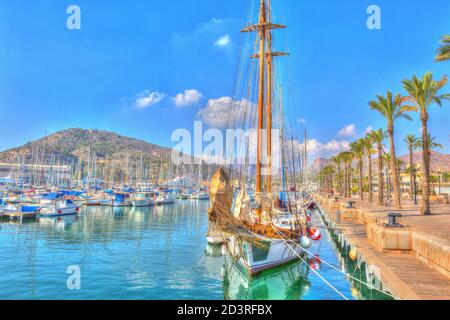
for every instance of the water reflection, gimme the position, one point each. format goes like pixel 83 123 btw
pixel 354 266
pixel 150 253
pixel 288 282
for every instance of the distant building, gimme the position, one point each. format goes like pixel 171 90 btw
pixel 16 171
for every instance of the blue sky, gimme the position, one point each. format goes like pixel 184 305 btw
pixel 128 68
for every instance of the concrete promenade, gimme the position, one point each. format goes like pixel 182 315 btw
pixel 413 261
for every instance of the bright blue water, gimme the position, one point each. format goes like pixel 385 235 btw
pixel 149 253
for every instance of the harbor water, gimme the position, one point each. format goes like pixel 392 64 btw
pixel 157 253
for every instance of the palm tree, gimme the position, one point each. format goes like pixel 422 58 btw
pixel 412 142
pixel 357 148
pixel 392 108
pixel 423 93
pixel 387 161
pixel 378 137
pixel 432 144
pixel 399 165
pixel 326 176
pixel 443 53
pixel 337 160
pixel 368 142
pixel 347 158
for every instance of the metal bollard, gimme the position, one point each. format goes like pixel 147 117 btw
pixel 392 220
pixel 338 216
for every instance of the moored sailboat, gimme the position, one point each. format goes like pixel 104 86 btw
pixel 266 232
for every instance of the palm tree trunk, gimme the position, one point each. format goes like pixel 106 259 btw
pixel 388 182
pixel 380 176
pixel 397 202
pixel 425 208
pixel 360 187
pixel 370 179
pixel 339 179
pixel 411 173
pixel 347 182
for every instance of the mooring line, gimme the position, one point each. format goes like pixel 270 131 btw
pixel 346 274
pixel 312 269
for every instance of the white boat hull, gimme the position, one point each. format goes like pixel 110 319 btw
pixel 160 202
pixel 203 197
pixel 121 204
pixel 93 202
pixel 143 203
pixel 215 240
pixel 255 260
pixel 69 211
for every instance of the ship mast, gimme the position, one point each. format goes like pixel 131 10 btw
pixel 265 55
pixel 269 105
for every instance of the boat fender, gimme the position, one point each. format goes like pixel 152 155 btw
pixel 314 234
pixel 305 242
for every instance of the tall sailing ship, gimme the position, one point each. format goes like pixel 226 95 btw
pixel 273 229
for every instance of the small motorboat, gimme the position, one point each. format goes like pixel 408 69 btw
pixel 107 201
pixel 93 201
pixel 20 212
pixel 183 196
pixel 143 199
pixel 121 200
pixel 22 199
pixel 164 199
pixel 60 208
pixel 202 196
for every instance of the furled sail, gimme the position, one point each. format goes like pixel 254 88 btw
pixel 221 219
pixel 242 207
pixel 221 194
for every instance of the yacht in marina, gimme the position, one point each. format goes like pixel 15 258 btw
pixel 59 208
pixel 143 199
pixel 268 232
pixel 164 199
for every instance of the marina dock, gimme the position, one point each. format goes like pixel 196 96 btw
pixel 412 260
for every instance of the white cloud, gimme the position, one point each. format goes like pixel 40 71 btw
pixel 204 33
pixel 187 98
pixel 327 149
pixel 211 26
pixel 369 129
pixel 218 112
pixel 223 41
pixel 147 99
pixel 348 131
pixel 301 120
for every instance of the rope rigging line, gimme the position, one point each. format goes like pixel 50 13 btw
pixel 312 269
pixel 340 271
